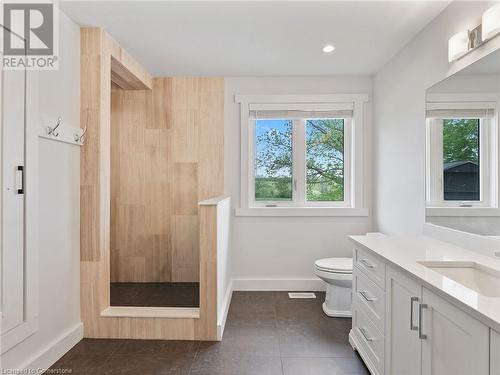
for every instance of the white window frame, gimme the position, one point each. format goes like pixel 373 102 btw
pixel 352 205
pixel 488 203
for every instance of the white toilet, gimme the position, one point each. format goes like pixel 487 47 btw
pixel 337 273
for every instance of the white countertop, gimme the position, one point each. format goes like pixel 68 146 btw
pixel 406 251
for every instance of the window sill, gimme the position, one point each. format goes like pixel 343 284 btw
pixel 462 211
pixel 301 211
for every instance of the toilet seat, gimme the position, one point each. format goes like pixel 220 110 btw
pixel 334 265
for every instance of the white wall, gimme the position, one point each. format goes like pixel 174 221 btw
pixel 223 262
pixel 268 248
pixel 399 116
pixel 59 212
pixel 467 83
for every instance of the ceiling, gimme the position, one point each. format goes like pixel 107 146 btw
pixel 255 38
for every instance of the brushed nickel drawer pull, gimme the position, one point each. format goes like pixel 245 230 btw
pixel 367 263
pixel 412 327
pixel 421 307
pixel 365 295
pixel 363 332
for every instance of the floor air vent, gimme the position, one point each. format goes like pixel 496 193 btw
pixel 301 295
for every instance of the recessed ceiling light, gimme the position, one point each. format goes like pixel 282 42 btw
pixel 328 48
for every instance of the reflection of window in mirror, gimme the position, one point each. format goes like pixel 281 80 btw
pixel 460 154
pixel 461 159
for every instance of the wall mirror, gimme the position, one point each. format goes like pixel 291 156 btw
pixel 462 149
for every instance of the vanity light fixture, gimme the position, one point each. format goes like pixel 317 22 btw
pixel 328 48
pixel 491 22
pixel 462 43
pixel 458 45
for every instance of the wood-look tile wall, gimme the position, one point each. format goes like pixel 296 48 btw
pixel 103 61
pixel 166 155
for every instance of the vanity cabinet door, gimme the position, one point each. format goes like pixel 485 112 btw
pixel 494 353
pixel 453 342
pixel 403 346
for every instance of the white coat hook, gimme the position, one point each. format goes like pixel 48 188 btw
pixel 81 138
pixel 52 131
pixel 66 133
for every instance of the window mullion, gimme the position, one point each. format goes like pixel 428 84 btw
pixel 299 162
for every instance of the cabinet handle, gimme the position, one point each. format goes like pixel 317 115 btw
pixel 412 327
pixel 20 168
pixel 421 307
pixel 363 332
pixel 367 263
pixel 365 295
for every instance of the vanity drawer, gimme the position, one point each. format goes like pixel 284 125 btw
pixel 369 338
pixel 369 297
pixel 373 267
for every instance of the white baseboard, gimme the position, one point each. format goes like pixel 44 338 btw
pixel 221 320
pixel 279 285
pixel 51 353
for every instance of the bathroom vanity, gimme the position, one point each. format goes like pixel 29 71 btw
pixel 430 304
pixel 424 306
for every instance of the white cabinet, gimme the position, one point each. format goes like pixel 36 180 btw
pixel 18 205
pixel 12 150
pixel 494 353
pixel 414 331
pixel 369 297
pixel 370 265
pixel 369 341
pixel 368 305
pixel 403 346
pixel 454 343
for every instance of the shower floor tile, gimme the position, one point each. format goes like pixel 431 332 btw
pixel 155 294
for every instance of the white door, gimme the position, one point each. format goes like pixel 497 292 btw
pixel 12 117
pixel 403 346
pixel 455 343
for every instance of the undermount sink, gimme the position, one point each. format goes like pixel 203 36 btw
pixel 484 280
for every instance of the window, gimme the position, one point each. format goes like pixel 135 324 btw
pixel 273 160
pixel 299 157
pixel 299 154
pixel 460 162
pixel 325 159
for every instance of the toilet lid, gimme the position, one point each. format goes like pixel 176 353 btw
pixel 339 265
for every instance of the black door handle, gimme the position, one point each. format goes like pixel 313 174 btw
pixel 21 169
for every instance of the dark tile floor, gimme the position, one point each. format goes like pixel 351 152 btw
pixel 266 334
pixel 155 294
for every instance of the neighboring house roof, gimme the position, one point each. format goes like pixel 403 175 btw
pixel 461 166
